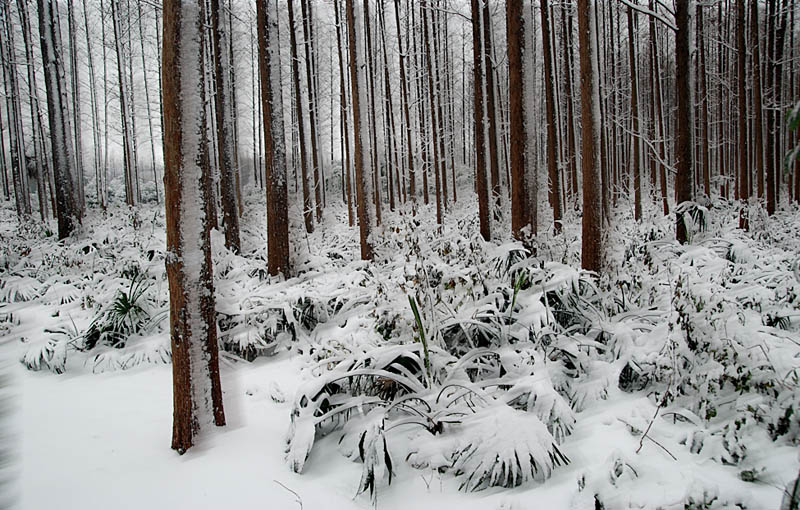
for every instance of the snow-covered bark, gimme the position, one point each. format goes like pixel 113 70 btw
pixel 67 209
pixel 197 393
pixel 363 160
pixel 271 98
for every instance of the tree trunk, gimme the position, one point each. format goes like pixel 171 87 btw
pixel 67 210
pixel 550 100
pixel 14 112
pixel 225 139
pixel 197 392
pixel 432 102
pixel 131 183
pixel 147 100
pixel 269 64
pixel 593 239
pixel 345 121
pixel 744 170
pixel 412 180
pixel 518 23
pixel 76 106
pixel 758 126
pixel 481 183
pixel 683 121
pixel 360 128
pixel 636 138
pixel 312 104
pixel 308 206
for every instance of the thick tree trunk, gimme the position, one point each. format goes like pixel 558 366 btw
pixel 197 392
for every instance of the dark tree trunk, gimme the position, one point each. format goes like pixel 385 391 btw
pixel 269 66
pixel 592 243
pixel 683 122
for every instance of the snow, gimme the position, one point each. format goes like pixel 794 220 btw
pixel 98 435
pixel 193 236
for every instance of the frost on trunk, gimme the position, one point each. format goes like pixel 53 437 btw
pixel 364 187
pixel 269 63
pixel 197 394
pixel 592 256
pixel 225 134
pixel 67 209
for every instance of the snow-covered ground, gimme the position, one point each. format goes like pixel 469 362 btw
pixel 98 434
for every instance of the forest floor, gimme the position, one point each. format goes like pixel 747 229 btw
pixel 670 383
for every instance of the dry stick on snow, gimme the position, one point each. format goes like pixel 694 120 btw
pixel 297 497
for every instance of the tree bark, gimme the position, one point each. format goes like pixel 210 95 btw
pixel 308 206
pixel 550 102
pixel 360 129
pixel 481 183
pixel 683 121
pixel 67 209
pixel 269 65
pixel 197 391
pixel 593 238
pixel 225 136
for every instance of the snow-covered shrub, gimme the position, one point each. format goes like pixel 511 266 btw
pixel 128 314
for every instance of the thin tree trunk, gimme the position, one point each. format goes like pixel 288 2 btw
pixel 481 183
pixel 412 180
pixel 147 101
pixel 269 60
pixel 131 184
pixel 76 106
pixel 683 124
pixel 308 206
pixel 225 136
pixel 552 147
pixel 312 104
pixel 345 121
pixel 68 210
pixel 432 102
pixel 36 115
pixel 592 237
pixel 360 129
pixel 636 137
